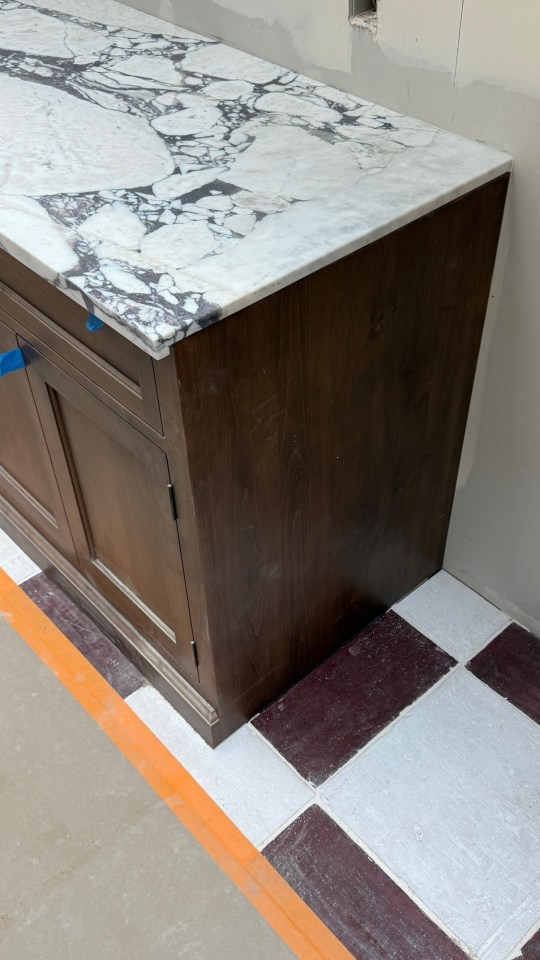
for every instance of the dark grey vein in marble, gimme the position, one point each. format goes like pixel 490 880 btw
pixel 165 180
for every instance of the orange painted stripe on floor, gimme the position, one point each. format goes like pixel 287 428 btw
pixel 269 893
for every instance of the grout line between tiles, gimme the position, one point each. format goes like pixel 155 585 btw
pixel 286 823
pixel 386 730
pixel 426 633
pixel 485 643
pixel 28 577
pixel 397 880
pixel 517 951
pixel 460 664
pixel 208 787
pixel 19 554
pixel 317 798
pixel 316 789
pixel 284 760
pixel 275 900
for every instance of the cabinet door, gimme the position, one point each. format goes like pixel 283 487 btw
pixel 115 483
pixel 27 479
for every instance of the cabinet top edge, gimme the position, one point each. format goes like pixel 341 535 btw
pixel 164 180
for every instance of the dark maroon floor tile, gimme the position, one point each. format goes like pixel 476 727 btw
pixel 531 950
pixel 84 634
pixel 356 900
pixel 322 721
pixel 510 664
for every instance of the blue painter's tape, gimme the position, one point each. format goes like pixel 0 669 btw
pixel 94 323
pixel 10 361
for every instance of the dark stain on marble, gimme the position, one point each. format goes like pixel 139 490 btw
pixel 361 905
pixel 326 718
pixel 510 664
pixel 531 950
pixel 84 634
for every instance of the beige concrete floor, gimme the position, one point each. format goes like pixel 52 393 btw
pixel 93 865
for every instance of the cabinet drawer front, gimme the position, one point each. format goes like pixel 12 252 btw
pixel 27 479
pixel 108 359
pixel 115 485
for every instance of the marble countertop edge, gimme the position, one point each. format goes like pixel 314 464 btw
pixel 214 178
pixel 232 303
pixel 502 165
pixel 74 293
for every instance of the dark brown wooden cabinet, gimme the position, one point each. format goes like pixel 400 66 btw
pixel 27 478
pixel 236 511
pixel 116 487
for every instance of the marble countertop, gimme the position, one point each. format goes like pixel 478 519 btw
pixel 165 180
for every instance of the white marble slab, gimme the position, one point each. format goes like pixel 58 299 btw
pixel 456 618
pixel 165 180
pixel 448 799
pixel 255 787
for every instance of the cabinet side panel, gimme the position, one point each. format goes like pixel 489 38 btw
pixel 323 431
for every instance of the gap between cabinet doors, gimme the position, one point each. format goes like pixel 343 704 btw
pixel 114 482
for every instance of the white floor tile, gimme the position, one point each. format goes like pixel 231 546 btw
pixel 456 618
pixel 449 800
pixel 14 561
pixel 256 789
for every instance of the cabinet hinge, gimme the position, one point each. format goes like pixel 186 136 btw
pixel 172 502
pixel 194 653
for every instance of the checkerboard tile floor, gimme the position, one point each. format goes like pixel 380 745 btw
pixel 396 788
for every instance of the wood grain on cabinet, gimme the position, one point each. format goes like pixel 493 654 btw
pixel 312 441
pixel 323 429
pixel 115 487
pixel 27 478
pixel 106 358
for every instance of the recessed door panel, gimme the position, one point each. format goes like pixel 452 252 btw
pixel 117 497
pixel 27 479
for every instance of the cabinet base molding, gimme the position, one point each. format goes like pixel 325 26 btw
pixel 312 439
pixel 180 694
